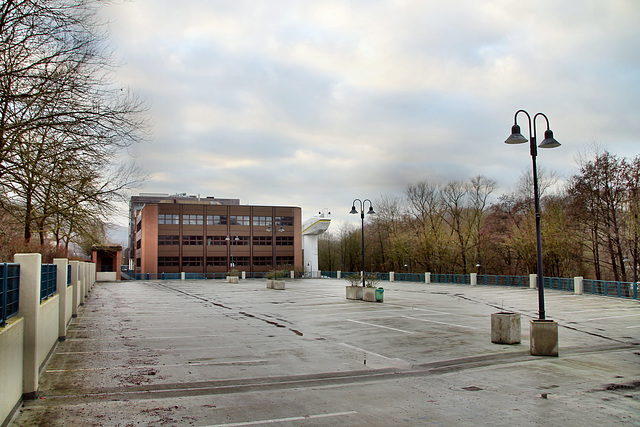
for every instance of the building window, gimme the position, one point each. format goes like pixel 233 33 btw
pixel 165 240
pixel 285 260
pixel 260 261
pixel 216 240
pixel 284 240
pixel 241 261
pixel 284 221
pixel 192 219
pixel 239 220
pixel 192 240
pixel 216 261
pixel 216 220
pixel 168 261
pixel 192 261
pixel 242 241
pixel 262 240
pixel 261 221
pixel 168 219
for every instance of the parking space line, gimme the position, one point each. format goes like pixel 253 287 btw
pixel 284 420
pixel 614 317
pixel 379 326
pixel 441 323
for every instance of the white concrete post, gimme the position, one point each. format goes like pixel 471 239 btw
pixel 474 279
pixel 244 275
pixel 392 276
pixel 88 280
pixel 30 279
pixel 339 274
pixel 183 275
pixel 92 275
pixel 82 271
pixel 427 278
pixel 61 278
pixel 578 285
pixel 532 281
pixel 75 279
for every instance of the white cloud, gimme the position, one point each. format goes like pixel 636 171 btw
pixel 316 103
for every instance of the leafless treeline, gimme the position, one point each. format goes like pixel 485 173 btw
pixel 63 121
pixel 590 227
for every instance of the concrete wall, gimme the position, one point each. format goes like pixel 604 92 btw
pixel 106 276
pixel 29 338
pixel 47 328
pixel 11 357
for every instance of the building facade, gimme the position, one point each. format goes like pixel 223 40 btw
pixel 195 236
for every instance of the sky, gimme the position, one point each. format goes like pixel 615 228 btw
pixel 316 103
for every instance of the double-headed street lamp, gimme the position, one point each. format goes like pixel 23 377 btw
pixel 370 212
pixel 548 142
pixel 275 249
pixel 228 239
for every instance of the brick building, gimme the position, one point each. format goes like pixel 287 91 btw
pixel 176 235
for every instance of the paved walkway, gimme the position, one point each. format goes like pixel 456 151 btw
pixel 208 353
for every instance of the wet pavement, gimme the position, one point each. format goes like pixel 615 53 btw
pixel 208 353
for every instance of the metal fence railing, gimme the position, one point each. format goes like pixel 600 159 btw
pixel 48 281
pixel 595 287
pixel 9 291
pixel 458 279
pixel 611 288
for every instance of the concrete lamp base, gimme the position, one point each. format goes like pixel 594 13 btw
pixel 543 337
pixel 505 328
pixel 354 292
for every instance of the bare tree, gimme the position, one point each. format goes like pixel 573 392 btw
pixel 63 121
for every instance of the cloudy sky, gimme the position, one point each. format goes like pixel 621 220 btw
pixel 313 103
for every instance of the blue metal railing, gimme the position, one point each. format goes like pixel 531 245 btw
pixel 48 281
pixel 458 279
pixel 611 288
pixel 409 277
pixel 9 291
pixel 492 280
pixel 596 287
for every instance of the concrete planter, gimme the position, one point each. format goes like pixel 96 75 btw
pixel 233 279
pixel 505 328
pixel 369 294
pixel 354 292
pixel 543 338
pixel 278 284
pixel 269 283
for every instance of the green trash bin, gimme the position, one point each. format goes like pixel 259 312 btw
pixel 379 294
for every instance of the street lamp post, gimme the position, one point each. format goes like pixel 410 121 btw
pixel 228 239
pixel 275 249
pixel 370 212
pixel 548 142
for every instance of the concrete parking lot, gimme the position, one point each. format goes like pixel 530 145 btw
pixel 208 353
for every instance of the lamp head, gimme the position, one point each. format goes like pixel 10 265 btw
pixel 549 141
pixel 516 137
pixel 370 211
pixel 353 210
